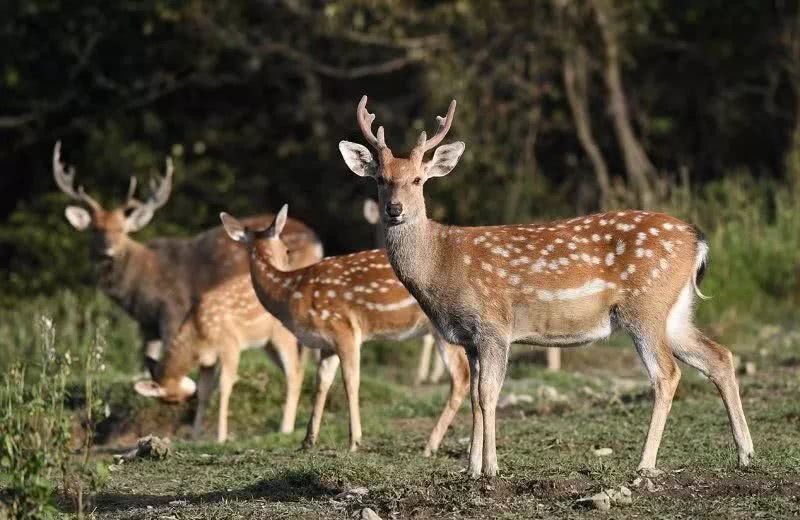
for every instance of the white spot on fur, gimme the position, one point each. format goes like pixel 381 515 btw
pixel 467 260
pixel 610 259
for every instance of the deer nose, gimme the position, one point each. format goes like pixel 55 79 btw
pixel 394 209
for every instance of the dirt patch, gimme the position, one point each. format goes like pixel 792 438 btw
pixel 693 486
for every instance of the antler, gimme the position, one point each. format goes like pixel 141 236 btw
pixel 160 189
pixel 365 120
pixel 424 144
pixel 66 180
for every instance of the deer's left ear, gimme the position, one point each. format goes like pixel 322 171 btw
pixel 359 159
pixel 444 159
pixel 233 228
pixel 148 389
pixel 140 217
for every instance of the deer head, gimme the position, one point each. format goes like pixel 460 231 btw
pixel 109 228
pixel 400 180
pixel 169 391
pixel 267 241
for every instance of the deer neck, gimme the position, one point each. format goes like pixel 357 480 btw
pixel 413 251
pixel 273 286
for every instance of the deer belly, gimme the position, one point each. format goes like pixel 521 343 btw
pixel 549 325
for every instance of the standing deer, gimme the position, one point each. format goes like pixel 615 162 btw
pixel 334 306
pixel 158 281
pixel 226 320
pixel 424 374
pixel 568 282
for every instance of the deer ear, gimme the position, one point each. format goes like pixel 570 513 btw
pixel 371 213
pixel 358 159
pixel 444 159
pixel 139 218
pixel 234 228
pixel 148 388
pixel 78 217
pixel 280 221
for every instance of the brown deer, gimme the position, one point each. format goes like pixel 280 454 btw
pixel 334 306
pixel 225 321
pixel 568 282
pixel 424 373
pixel 158 281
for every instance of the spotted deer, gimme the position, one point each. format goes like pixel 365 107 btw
pixel 568 282
pixel 225 321
pixel 156 282
pixel 334 306
pixel 424 373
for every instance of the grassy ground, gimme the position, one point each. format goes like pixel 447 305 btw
pixel 602 399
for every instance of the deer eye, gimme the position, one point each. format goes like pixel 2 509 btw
pixel 417 181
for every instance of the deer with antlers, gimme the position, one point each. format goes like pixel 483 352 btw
pixel 158 281
pixel 424 372
pixel 225 321
pixel 334 306
pixel 568 282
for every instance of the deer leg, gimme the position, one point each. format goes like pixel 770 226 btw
pixel 205 385
pixel 438 366
pixel 476 443
pixel 716 363
pixel 288 356
pixel 229 365
pixel 349 349
pixel 458 369
pixel 494 358
pixel 326 371
pixel 424 359
pixel 664 375
pixel 554 359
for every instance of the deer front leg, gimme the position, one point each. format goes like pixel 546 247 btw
pixel 326 371
pixel 287 351
pixel 493 361
pixel 476 443
pixel 205 385
pixel 350 353
pixel 424 359
pixel 229 363
pixel 458 369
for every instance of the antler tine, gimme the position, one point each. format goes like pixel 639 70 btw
pixel 65 179
pixel 163 189
pixel 441 132
pixel 130 200
pixel 365 120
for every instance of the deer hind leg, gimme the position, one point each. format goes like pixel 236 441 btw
pixel 424 360
pixel 439 366
pixel 554 359
pixel 326 371
pixel 458 369
pixel 349 349
pixel 664 374
pixel 229 366
pixel 287 351
pixel 716 363
pixel 493 360
pixel 205 385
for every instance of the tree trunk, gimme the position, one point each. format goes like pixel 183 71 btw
pixel 641 172
pixel 575 79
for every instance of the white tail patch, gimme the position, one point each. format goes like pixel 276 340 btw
pixel 700 259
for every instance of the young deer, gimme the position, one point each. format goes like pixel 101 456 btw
pixel 334 306
pixel 424 374
pixel 156 282
pixel 225 321
pixel 568 282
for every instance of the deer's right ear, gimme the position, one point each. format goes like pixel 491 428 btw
pixel 358 159
pixel 371 213
pixel 276 228
pixel 148 389
pixel 78 217
pixel 234 228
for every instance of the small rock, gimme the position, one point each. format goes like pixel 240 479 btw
pixel 621 496
pixel 178 503
pixel 650 472
pixel 750 368
pixel 150 447
pixel 625 491
pixel 369 514
pixel 513 400
pixel 648 484
pixel 603 452
pixel 637 481
pixel 600 501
